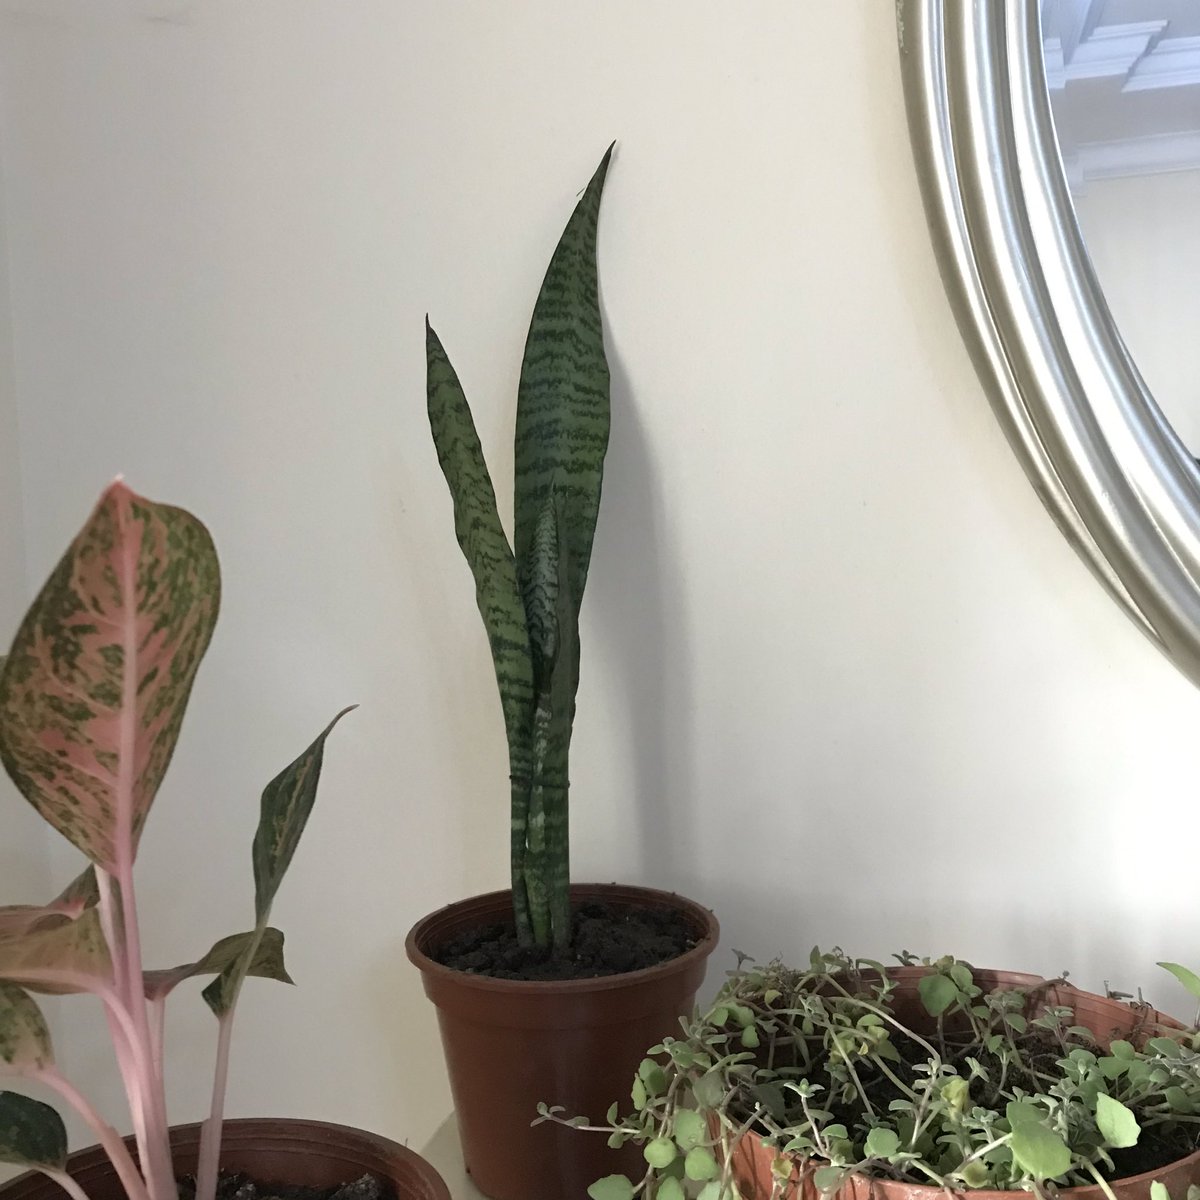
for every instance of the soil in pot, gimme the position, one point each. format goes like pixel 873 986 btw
pixel 606 939
pixel 240 1186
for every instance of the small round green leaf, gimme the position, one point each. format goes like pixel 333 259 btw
pixel 709 1090
pixel 670 1189
pixel 882 1143
pixel 828 1179
pixel 611 1187
pixel 660 1153
pixel 1116 1123
pixel 700 1165
pixel 690 1129
pixel 938 992
pixel 1039 1150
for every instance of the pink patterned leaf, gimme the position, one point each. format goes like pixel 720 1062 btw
pixel 80 895
pixel 93 691
pixel 24 1038
pixel 64 958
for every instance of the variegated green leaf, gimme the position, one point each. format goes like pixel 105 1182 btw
pixel 563 399
pixel 94 689
pixel 19 919
pixel 32 1134
pixel 266 963
pixel 287 802
pixel 24 1037
pixel 484 545
pixel 64 958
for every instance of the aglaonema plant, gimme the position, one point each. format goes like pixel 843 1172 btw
pixel 529 594
pixel 92 696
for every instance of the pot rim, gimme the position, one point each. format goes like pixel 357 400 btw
pixel 703 948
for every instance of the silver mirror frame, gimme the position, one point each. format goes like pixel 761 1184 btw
pixel 1114 476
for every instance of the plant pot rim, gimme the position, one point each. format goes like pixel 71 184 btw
pixel 272 1134
pixel 709 932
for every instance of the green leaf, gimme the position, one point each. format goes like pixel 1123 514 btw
pixel 32 1134
pixel 61 959
pixel 882 1143
pixel 713 1191
pixel 563 399
pixel 961 974
pixel 1167 1047
pixel 660 1153
pixel 485 547
pixel 1158 1191
pixel 1122 1049
pixel 699 1164
pixel 94 689
pixel 1189 979
pixel 266 963
pixel 1019 1112
pixel 937 993
pixel 611 1187
pixel 690 1129
pixel 1116 1123
pixel 78 896
pixel 653 1076
pixel 1040 1151
pixel 637 1094
pixel 709 1090
pixel 670 1189
pixel 287 802
pixel 828 1179
pixel 24 1036
pixel 1113 1067
pixel 956 1091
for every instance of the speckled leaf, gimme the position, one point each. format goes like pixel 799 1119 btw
pixel 94 689
pixel 32 1134
pixel 64 958
pixel 563 398
pixel 19 919
pixel 484 545
pixel 286 803
pixel 267 962
pixel 24 1036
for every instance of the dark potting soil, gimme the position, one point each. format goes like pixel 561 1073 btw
pixel 242 1187
pixel 606 939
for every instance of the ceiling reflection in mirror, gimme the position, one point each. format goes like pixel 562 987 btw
pixel 1124 83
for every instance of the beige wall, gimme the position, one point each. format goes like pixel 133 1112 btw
pixel 843 680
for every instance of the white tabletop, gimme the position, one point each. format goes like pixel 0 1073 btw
pixel 444 1153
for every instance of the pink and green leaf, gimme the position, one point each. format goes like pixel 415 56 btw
pixel 24 1036
pixel 62 959
pixel 79 895
pixel 32 1134
pixel 93 690
pixel 266 961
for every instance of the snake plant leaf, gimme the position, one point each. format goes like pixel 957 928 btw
pixel 32 1134
pixel 24 1037
pixel 81 894
pixel 287 802
pixel 266 961
pixel 62 959
pixel 484 545
pixel 93 691
pixel 563 399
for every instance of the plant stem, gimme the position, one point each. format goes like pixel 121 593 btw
pixel 1101 1181
pixel 65 1182
pixel 106 1135
pixel 210 1134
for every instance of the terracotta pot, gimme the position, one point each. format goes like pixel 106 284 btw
pixel 308 1153
pixel 1106 1019
pixel 510 1044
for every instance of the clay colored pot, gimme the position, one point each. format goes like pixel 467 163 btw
pixel 307 1153
pixel 1106 1019
pixel 510 1044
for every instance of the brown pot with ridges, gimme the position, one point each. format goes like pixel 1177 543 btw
pixel 278 1150
pixel 577 1043
pixel 1106 1019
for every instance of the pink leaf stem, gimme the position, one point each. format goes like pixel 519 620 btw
pixel 65 1182
pixel 210 1132
pixel 106 1135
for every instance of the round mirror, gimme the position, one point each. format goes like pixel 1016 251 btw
pixel 1058 145
pixel 1124 84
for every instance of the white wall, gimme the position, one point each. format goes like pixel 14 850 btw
pixel 843 680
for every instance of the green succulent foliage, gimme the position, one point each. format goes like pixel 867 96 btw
pixel 997 1089
pixel 529 597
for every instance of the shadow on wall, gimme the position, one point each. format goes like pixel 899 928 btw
pixel 637 608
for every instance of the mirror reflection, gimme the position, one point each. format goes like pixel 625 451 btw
pixel 1124 82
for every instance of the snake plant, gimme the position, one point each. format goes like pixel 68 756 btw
pixel 529 593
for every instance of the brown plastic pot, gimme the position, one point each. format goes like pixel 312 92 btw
pixel 510 1044
pixel 305 1153
pixel 1106 1019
